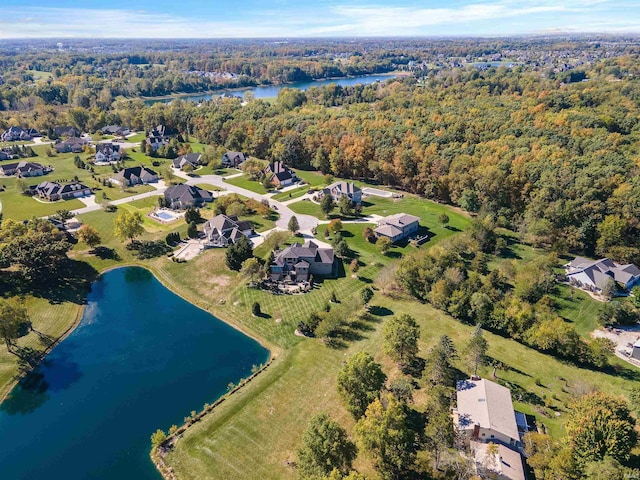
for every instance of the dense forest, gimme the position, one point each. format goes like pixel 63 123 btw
pixel 553 159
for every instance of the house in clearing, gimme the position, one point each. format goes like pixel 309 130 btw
pixel 279 174
pixel 66 131
pixel 233 159
pixel 193 159
pixel 134 176
pixel 594 275
pixel 485 412
pixel 73 145
pixel 223 230
pixel 338 190
pixel 14 134
pixel 397 227
pixel 160 136
pixel 24 169
pixel 115 130
pixel 185 196
pixel 53 191
pixel 296 263
pixel 107 152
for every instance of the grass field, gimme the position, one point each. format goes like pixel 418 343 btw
pixel 246 183
pixel 291 194
pixel 312 178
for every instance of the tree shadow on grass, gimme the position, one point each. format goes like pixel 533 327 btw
pixel 380 311
pixel 70 283
pixel 105 253
pixel 28 395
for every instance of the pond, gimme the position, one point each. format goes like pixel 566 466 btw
pixel 268 91
pixel 141 358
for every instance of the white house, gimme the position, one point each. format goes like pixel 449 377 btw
pixel 596 274
pixel 485 412
pixel 107 152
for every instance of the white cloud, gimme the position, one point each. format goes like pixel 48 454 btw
pixel 468 17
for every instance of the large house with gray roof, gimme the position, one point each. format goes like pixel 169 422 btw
pixel 134 176
pixel 73 145
pixel 341 189
pixel 397 227
pixel 53 191
pixel 24 169
pixel 298 262
pixel 185 196
pixel 13 134
pixel 594 275
pixel 223 230
pixel 192 159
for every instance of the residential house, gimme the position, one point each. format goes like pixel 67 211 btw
pixel 184 196
pixel 14 134
pixel 192 159
pixel 499 462
pixel 66 132
pixel 397 227
pixel 55 191
pixel 342 189
pixel 594 275
pixel 24 169
pixel 6 154
pixel 635 350
pixel 233 159
pixel 115 130
pixel 134 176
pixel 296 263
pixel 160 136
pixel 73 145
pixel 223 230
pixel 485 412
pixel 107 152
pixel 279 174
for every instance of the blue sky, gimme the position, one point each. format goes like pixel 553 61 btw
pixel 313 18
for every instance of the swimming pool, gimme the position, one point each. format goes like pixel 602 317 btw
pixel 165 215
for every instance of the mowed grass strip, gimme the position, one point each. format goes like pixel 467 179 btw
pixel 246 183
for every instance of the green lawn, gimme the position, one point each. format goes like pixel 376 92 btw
pixel 20 207
pixel 245 182
pixel 137 138
pixel 311 177
pixel 208 186
pixel 307 207
pixel 291 194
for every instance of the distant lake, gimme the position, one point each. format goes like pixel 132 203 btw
pixel 142 358
pixel 268 91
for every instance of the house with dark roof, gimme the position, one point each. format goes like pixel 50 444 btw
pixel 66 131
pixel 5 155
pixel 397 227
pixel 595 275
pixel 24 169
pixel 182 161
pixel 14 134
pixel 73 145
pixel 134 176
pixel 107 152
pixel 159 136
pixel 296 263
pixel 279 174
pixel 223 230
pixel 115 130
pixel 53 191
pixel 338 190
pixel 185 196
pixel 233 159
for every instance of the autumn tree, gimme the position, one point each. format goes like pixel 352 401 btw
pixel 89 235
pixel 293 225
pixel 384 244
pixel 383 432
pixel 401 334
pixel 327 205
pixel 359 383
pixel 325 447
pixel 476 350
pixel 128 225
pixel 13 315
pixel 600 425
